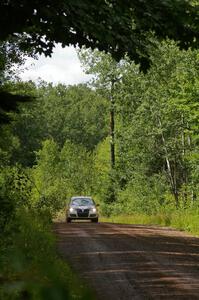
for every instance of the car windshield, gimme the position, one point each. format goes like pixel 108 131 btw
pixel 82 202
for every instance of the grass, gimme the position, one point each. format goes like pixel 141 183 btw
pixel 30 267
pixel 187 220
pixel 183 219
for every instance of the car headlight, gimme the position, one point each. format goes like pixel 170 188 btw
pixel 71 210
pixel 93 210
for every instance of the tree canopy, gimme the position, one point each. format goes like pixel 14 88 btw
pixel 115 26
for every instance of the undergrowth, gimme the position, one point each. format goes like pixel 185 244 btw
pixel 29 265
pixel 183 219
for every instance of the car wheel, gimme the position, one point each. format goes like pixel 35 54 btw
pixel 68 220
pixel 94 220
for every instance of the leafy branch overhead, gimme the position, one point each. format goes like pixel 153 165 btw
pixel 9 103
pixel 11 57
pixel 114 26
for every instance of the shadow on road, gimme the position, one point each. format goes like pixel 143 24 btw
pixel 132 261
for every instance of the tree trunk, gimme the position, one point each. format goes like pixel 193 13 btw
pixel 184 170
pixel 112 196
pixel 171 177
pixel 112 133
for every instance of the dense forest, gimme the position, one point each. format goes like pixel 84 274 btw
pixel 60 143
pixel 129 138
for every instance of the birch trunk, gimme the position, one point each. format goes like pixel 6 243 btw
pixel 171 177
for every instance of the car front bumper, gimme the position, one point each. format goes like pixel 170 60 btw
pixel 82 214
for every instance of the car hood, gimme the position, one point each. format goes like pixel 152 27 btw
pixel 82 207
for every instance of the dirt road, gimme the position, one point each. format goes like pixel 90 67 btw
pixel 132 261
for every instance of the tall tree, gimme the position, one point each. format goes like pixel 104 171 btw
pixel 108 74
pixel 159 120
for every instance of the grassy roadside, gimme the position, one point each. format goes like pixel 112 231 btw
pixel 187 220
pixel 30 267
pixel 183 219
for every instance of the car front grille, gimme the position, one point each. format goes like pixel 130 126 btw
pixel 72 215
pixel 82 213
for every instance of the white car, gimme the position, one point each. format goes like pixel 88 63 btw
pixel 82 208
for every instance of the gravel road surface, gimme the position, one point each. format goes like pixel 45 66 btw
pixel 127 262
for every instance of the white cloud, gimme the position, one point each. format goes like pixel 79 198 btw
pixel 63 67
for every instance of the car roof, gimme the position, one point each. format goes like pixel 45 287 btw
pixel 77 197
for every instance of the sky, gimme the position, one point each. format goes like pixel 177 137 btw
pixel 63 67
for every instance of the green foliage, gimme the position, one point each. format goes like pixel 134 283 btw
pixel 144 194
pixel 15 189
pixel 77 167
pixel 44 176
pixel 156 129
pixel 59 146
pixel 9 103
pixel 180 219
pixel 74 113
pixel 113 26
pixel 156 135
pixel 102 168
pixel 61 173
pixel 11 57
pixel 30 267
pixel 8 145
